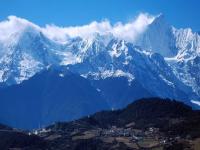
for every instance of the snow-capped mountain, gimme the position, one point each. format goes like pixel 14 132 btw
pixel 161 61
pixel 24 53
pixel 29 50
pixel 122 59
pixel 158 38
pixel 180 48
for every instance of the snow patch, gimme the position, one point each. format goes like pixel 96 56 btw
pixel 110 73
pixel 68 58
pixel 167 81
pixel 61 75
pixel 196 102
pixel 98 90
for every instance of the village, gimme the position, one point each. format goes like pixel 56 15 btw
pixel 130 136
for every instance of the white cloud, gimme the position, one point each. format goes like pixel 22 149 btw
pixel 12 26
pixel 131 30
pixel 61 33
pixel 128 31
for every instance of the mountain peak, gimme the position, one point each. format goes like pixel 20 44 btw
pixel 100 38
pixel 20 22
pixel 158 37
pixel 14 27
pixel 160 21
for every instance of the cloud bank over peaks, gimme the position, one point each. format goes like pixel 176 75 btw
pixel 126 31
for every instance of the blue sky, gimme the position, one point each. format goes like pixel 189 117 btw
pixel 180 13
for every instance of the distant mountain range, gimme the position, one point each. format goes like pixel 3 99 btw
pixel 44 80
